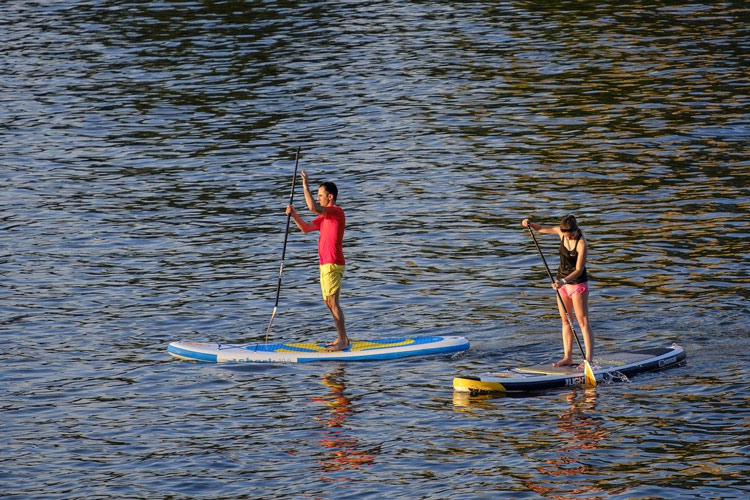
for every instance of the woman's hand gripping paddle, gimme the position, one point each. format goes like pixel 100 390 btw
pixel 283 251
pixel 587 370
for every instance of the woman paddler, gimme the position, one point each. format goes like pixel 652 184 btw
pixel 571 282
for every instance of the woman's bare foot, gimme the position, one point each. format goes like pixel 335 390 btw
pixel 563 362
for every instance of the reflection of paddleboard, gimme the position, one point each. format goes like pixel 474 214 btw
pixel 538 377
pixel 359 350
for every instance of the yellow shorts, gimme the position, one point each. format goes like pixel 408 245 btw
pixel 330 279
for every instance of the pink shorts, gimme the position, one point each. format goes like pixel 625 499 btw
pixel 569 290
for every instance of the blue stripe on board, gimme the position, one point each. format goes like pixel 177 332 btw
pixel 275 347
pixel 398 341
pixel 415 341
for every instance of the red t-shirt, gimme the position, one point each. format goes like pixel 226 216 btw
pixel 330 244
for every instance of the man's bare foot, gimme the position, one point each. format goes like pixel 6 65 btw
pixel 582 366
pixel 563 362
pixel 334 342
pixel 337 345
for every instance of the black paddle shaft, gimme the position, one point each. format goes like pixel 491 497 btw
pixel 283 251
pixel 286 232
pixel 549 273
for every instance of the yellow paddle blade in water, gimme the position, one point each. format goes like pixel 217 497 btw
pixel 589 373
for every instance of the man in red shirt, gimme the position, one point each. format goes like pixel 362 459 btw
pixel 330 222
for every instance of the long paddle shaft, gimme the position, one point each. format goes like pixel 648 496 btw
pixel 549 273
pixel 283 251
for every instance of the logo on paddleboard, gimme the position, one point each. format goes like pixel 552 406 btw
pixel 574 381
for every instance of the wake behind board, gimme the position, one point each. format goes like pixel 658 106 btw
pixel 359 350
pixel 541 377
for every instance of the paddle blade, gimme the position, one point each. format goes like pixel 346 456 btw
pixel 589 374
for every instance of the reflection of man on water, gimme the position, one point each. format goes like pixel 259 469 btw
pixel 341 449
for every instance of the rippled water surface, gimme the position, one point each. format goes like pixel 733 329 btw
pixel 146 153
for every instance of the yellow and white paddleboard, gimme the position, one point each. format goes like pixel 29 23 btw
pixel 359 350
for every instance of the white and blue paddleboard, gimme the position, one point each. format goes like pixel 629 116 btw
pixel 546 376
pixel 359 350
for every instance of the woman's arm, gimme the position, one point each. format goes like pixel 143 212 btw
pixel 581 261
pixel 542 229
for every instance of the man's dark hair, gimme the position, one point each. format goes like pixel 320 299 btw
pixel 331 188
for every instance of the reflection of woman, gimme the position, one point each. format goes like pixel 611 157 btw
pixel 568 474
pixel 571 282
pixel 582 421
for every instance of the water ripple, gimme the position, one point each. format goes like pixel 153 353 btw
pixel 146 159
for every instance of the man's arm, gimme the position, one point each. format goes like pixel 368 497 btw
pixel 311 204
pixel 301 224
